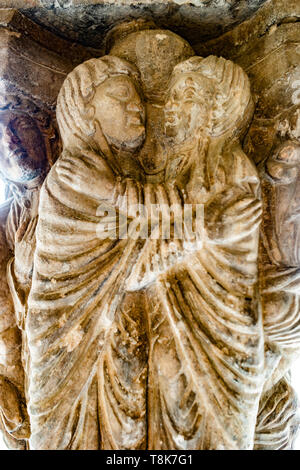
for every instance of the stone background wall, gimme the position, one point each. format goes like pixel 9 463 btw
pixel 87 21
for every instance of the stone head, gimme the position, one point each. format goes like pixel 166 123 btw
pixel 209 97
pixel 101 98
pixel 23 155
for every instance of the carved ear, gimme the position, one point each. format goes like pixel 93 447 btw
pixel 102 142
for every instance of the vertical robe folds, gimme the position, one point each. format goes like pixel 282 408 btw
pixel 118 362
pixel 75 307
pixel 281 274
pixel 206 340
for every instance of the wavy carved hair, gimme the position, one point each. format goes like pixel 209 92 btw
pixel 232 105
pixel 74 116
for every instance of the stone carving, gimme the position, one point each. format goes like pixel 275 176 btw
pixel 25 144
pixel 137 342
pixel 269 53
pixel 209 295
pixel 277 420
pixel 139 334
pixel 280 289
pixel 31 73
pixel 14 419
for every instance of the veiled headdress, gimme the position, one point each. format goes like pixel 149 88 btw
pixel 73 115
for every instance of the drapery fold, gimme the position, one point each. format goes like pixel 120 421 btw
pixel 171 363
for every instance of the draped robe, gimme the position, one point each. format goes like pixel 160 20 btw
pixel 19 225
pixel 281 273
pixel 20 231
pixel 277 420
pixel 206 354
pixel 120 358
pixel 86 337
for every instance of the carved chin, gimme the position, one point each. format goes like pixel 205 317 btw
pixel 132 144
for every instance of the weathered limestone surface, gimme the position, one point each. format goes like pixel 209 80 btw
pixel 88 21
pixel 33 65
pixel 269 53
pixel 132 385
pixel 173 342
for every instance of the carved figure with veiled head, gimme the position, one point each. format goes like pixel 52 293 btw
pixel 211 95
pixel 101 119
pixel 209 101
pixel 99 107
pixel 149 346
pixel 201 300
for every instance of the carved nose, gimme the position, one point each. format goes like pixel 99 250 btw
pixel 135 107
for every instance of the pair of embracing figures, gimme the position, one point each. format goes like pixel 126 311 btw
pixel 138 342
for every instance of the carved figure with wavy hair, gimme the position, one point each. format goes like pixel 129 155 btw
pixel 76 298
pixel 147 343
pixel 205 330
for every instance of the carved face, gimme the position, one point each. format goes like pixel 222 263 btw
pixel 188 105
pixel 22 148
pixel 120 112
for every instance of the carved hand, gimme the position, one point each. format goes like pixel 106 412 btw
pixel 72 171
pixel 232 216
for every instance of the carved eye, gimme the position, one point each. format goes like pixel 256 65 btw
pixel 190 93
pixel 120 93
pixel 189 82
